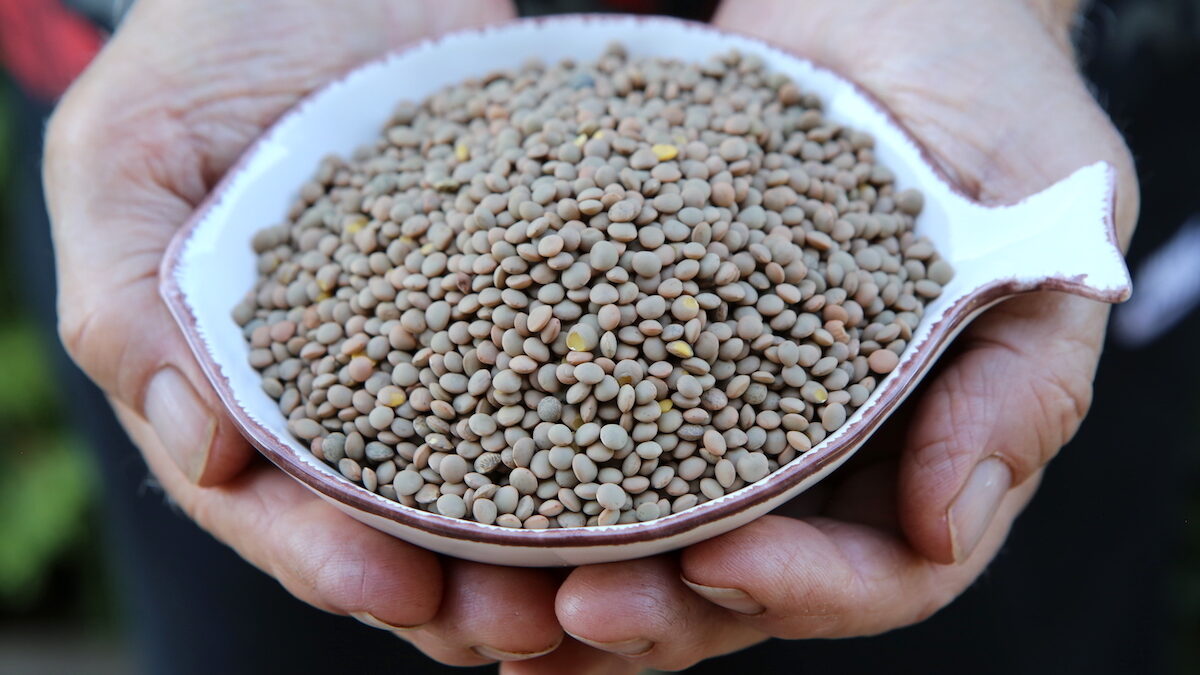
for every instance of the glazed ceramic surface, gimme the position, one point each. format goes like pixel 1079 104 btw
pixel 1061 239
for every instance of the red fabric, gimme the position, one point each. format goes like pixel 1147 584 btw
pixel 44 46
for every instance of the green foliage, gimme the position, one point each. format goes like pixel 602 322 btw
pixel 44 495
pixel 45 479
pixel 25 384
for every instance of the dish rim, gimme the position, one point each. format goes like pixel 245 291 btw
pixel 897 386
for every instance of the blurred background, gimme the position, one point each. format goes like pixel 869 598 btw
pixel 1102 573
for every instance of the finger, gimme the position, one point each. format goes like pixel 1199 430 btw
pixel 135 146
pixel 317 553
pixel 485 613
pixel 824 578
pixel 1009 400
pixel 111 319
pixel 491 613
pixel 641 610
pixel 572 657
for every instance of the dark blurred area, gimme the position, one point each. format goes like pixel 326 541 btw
pixel 1101 573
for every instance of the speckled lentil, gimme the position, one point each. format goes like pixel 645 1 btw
pixel 588 293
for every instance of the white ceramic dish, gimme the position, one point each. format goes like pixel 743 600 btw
pixel 1061 239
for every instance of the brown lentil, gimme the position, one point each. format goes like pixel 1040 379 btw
pixel 585 294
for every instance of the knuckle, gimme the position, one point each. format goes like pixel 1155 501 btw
pixel 925 610
pixel 97 340
pixel 819 611
pixel 960 398
pixel 335 575
pixel 828 602
pixel 116 333
pixel 830 614
pixel 76 319
pixel 65 128
pixel 1050 402
pixel 339 578
pixel 201 512
pixel 1063 402
pixel 74 127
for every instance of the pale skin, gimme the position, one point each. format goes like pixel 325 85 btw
pixel 988 87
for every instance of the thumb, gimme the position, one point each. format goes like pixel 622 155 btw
pixel 1000 411
pixel 113 214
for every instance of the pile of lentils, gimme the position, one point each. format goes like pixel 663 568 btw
pixel 588 293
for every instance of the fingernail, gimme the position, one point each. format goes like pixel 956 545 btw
pixel 183 423
pixel 730 598
pixel 374 622
pixel 494 654
pixel 974 508
pixel 634 647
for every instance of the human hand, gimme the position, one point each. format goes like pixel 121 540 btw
pixel 135 145
pixel 990 89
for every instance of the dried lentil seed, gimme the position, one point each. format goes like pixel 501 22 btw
pixel 649 287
